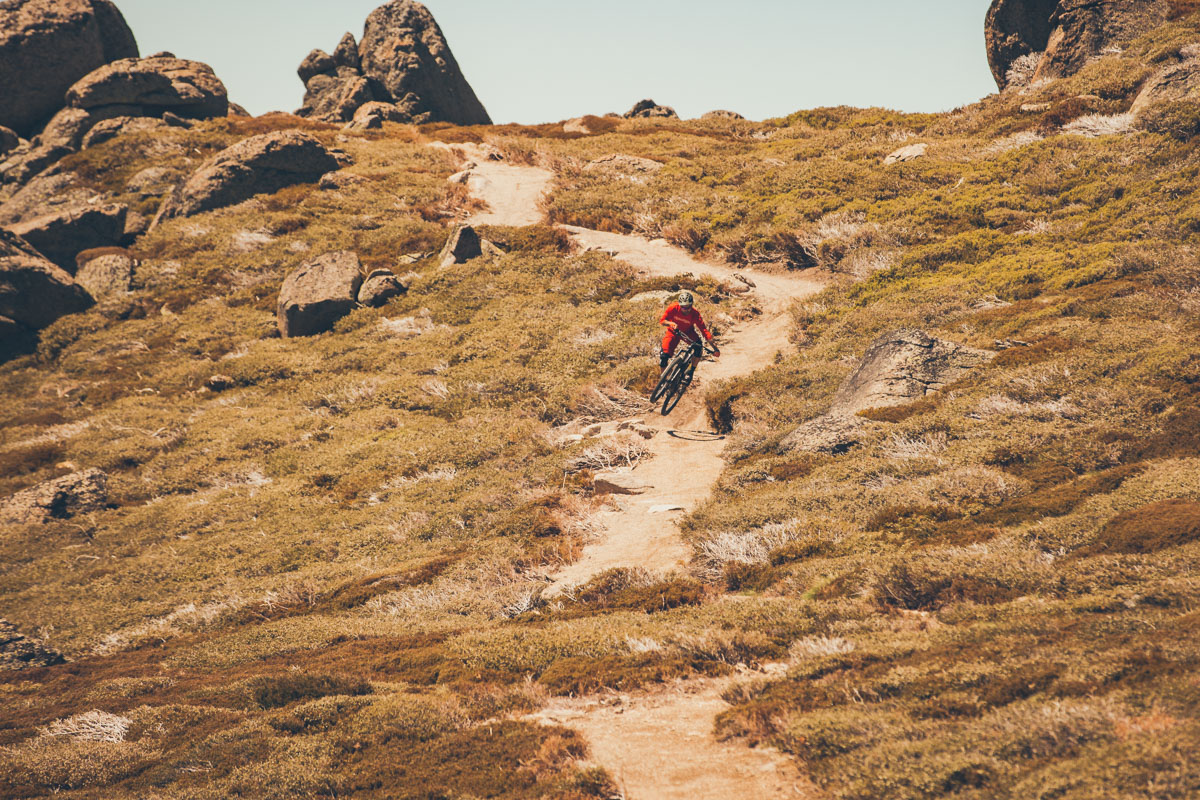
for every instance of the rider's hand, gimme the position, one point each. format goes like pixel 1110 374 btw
pixel 672 326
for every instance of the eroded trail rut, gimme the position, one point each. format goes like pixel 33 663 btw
pixel 659 743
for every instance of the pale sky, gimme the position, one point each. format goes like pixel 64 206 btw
pixel 534 61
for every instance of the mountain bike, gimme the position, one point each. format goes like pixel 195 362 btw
pixel 677 377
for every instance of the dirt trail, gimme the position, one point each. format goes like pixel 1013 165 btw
pixel 659 744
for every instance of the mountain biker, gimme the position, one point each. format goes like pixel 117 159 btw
pixel 681 319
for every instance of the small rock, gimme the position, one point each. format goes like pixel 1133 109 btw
pixel 332 181
pixel 1035 108
pixel 18 651
pixel 618 481
pixel 462 246
pixel 62 498
pixel 648 109
pixel 380 286
pixel 832 434
pixel 909 153
pixel 577 125
pixel 151 182
pixel 318 294
pixel 317 62
pixel 722 114
pixel 106 276
pixel 372 115
pixel 491 249
pixel 62 235
pixel 219 383
pixel 109 129
pixel 664 509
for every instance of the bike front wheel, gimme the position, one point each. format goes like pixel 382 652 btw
pixel 666 379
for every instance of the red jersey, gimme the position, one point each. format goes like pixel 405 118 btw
pixel 686 319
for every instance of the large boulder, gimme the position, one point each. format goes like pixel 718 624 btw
pixel 18 651
pixel 1016 29
pixel 262 164
pixel 403 60
pixel 1057 38
pixel 33 291
pixel 62 498
pixel 318 294
pixel 902 367
pixel 155 85
pixel 46 46
pixel 9 141
pixel 62 235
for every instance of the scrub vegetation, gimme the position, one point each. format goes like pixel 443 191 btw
pixel 323 578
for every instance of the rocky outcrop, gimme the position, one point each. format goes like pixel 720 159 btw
pixel 380 286
pixel 318 294
pixel 1173 84
pixel 403 60
pixel 722 114
pixel 62 235
pixel 1046 39
pixel 904 366
pixel 48 45
pixel 908 153
pixel 107 275
pixel 333 98
pixel 897 368
pixel 154 86
pixel 18 651
pixel 633 168
pixel 259 165
pixel 648 109
pixel 462 246
pixel 831 434
pixel 63 498
pixel 33 291
pixel 404 49
pixel 114 99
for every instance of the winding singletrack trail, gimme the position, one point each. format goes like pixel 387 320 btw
pixel 658 743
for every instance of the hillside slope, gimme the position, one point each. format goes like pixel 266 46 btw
pixel 321 563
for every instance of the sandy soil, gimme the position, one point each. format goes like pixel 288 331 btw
pixel 659 745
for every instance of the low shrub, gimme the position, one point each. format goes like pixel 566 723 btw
pixel 1178 119
pixel 283 690
pixel 1153 527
